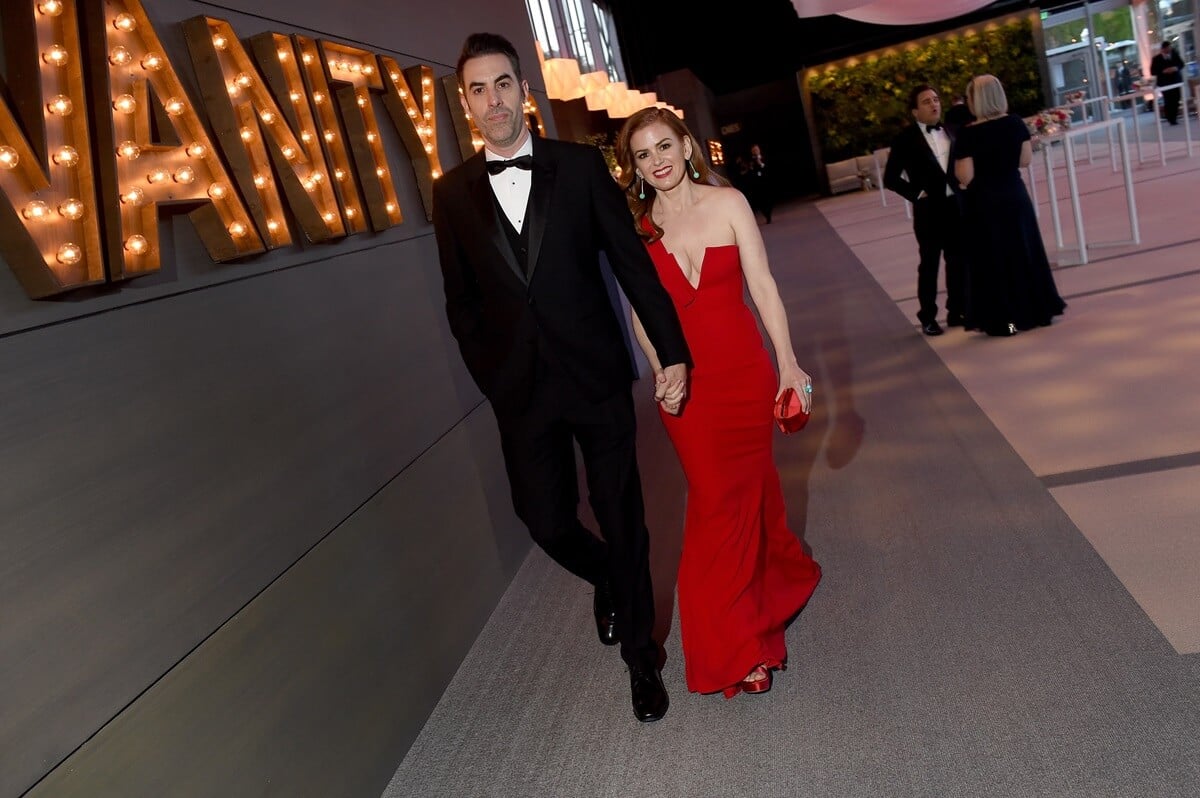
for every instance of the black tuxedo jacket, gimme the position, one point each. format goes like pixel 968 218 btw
pixel 1158 64
pixel 500 316
pixel 912 156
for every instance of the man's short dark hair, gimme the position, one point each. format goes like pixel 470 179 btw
pixel 1164 45
pixel 481 44
pixel 915 95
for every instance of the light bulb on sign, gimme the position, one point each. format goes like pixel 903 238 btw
pixel 197 150
pixel 219 42
pixel 318 97
pixel 124 22
pixel 8 157
pixel 237 229
pixel 124 103
pixel 129 149
pixel 351 213
pixel 136 245
pixel 246 134
pixel 329 135
pixel 50 8
pixel 69 254
pixel 184 174
pixel 56 55
pixel 152 62
pixel 272 225
pixel 328 217
pixel 267 117
pixel 216 191
pixel 288 151
pixel 260 181
pixel 119 56
pixel 36 210
pixel 307 58
pixel 157 176
pixel 294 96
pixel 61 105
pixel 244 80
pixel 66 156
pixel 173 106
pixel 133 197
pixel 306 137
pixel 71 209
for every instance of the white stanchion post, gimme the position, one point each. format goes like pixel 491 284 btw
pixel 1073 188
pixel 1052 192
pixel 1130 202
pixel 1187 120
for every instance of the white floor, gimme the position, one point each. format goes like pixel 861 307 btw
pixel 1112 385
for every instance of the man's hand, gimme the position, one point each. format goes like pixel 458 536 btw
pixel 671 382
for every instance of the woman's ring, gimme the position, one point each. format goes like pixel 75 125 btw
pixel 808 388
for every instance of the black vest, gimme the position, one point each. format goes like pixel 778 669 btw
pixel 518 241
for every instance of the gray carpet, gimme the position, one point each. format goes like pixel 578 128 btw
pixel 966 639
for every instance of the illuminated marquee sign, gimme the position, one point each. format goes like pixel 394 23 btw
pixel 296 151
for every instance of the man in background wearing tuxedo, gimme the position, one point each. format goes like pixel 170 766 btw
pixel 920 169
pixel 1167 68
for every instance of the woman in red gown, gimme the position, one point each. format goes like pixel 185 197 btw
pixel 743 574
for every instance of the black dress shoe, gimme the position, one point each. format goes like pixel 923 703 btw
pixel 606 615
pixel 932 328
pixel 649 694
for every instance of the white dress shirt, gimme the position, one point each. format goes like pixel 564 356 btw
pixel 512 186
pixel 939 142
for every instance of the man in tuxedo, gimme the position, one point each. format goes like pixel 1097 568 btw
pixel 1167 68
pixel 520 227
pixel 920 169
pixel 759 184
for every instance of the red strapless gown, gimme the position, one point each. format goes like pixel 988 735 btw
pixel 743 574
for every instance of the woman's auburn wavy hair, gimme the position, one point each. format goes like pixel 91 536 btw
pixel 629 181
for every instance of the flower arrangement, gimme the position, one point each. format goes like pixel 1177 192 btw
pixel 1048 122
pixel 1074 97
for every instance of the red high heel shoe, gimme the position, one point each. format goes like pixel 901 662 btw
pixel 760 685
pixel 752 685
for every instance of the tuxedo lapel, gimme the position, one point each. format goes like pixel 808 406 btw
pixel 484 203
pixel 544 173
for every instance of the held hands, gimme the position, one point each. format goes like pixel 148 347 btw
pixel 795 377
pixel 670 387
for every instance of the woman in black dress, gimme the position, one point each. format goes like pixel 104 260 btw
pixel 1009 287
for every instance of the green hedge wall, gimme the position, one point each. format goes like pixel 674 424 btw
pixel 858 109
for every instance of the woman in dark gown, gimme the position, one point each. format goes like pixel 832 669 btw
pixel 1009 285
pixel 743 574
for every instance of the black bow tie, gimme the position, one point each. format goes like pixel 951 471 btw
pixel 521 162
pixel 931 128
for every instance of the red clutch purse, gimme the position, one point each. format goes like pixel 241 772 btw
pixel 789 413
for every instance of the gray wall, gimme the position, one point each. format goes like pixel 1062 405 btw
pixel 252 515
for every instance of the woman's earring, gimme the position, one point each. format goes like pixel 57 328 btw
pixel 641 188
pixel 695 173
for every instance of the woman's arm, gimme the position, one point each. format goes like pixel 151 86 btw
pixel 670 400
pixel 765 294
pixel 1026 153
pixel 964 170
